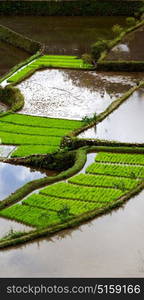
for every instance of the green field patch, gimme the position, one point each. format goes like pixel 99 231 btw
pixel 23 139
pixel 116 170
pixel 121 158
pixel 83 193
pixel 22 151
pixel 102 180
pixel 20 129
pixel 56 204
pixel 41 121
pixel 32 216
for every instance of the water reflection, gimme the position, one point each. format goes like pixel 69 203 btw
pixel 6 150
pixel 71 93
pixel 6 226
pixel 12 177
pixel 64 35
pixel 125 124
pixel 11 56
pixel 131 47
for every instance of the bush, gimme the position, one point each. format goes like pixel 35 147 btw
pixel 130 21
pixel 87 58
pixel 117 29
pixel 98 48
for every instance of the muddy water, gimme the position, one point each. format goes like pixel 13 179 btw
pixel 131 47
pixel 72 94
pixel 12 177
pixel 125 124
pixel 10 57
pixel 7 225
pixel 64 35
pixel 109 246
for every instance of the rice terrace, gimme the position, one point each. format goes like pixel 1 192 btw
pixel 71 138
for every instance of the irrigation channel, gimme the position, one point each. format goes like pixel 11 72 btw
pixel 56 102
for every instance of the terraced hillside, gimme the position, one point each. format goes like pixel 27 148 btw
pixel 102 186
pixel 34 135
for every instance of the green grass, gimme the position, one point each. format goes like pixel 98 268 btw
pixel 31 216
pixel 102 180
pixel 50 61
pixel 83 193
pixel 116 170
pixel 22 151
pixel 121 158
pixel 56 204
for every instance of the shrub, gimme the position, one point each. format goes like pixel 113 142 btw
pixel 98 48
pixel 117 29
pixel 87 58
pixel 130 21
pixel 88 120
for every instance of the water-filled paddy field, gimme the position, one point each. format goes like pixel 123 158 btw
pixel 56 102
pixel 11 56
pixel 73 94
pixel 64 35
pixel 124 124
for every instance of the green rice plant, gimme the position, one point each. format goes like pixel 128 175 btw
pixel 29 130
pixel 76 207
pixel 22 139
pixel 41 121
pixel 83 193
pixel 121 158
pixel 116 170
pixel 31 216
pixel 22 151
pixel 103 180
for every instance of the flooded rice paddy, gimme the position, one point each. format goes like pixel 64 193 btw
pixel 11 56
pixel 124 125
pixel 73 94
pixel 131 47
pixel 64 35
pixel 109 246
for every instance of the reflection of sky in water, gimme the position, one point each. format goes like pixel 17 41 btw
pixel 13 177
pixel 6 150
pixel 125 124
pixel 71 94
pixel 7 225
